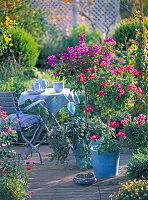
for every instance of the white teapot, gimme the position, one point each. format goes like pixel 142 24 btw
pixel 43 83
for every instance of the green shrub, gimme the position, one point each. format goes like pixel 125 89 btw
pixel 13 84
pixel 137 136
pixel 126 31
pixel 24 43
pixel 138 166
pixel 28 16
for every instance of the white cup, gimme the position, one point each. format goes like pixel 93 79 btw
pixel 35 86
pixel 58 86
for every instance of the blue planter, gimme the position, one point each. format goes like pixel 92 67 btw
pixel 80 155
pixel 105 165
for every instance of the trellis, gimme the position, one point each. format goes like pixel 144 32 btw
pixel 102 14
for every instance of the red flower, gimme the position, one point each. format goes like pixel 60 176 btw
pixel 114 124
pixel 88 109
pixel 9 156
pixel 27 163
pixel 18 154
pixel 23 88
pixel 94 137
pixel 34 163
pixel 28 168
pixel 121 134
pixel 32 192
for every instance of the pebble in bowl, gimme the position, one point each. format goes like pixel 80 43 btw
pixel 58 86
pixel 85 179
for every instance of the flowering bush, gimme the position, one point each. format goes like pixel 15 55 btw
pixel 136 189
pixel 97 69
pixel 5 35
pixel 138 57
pixel 136 130
pixel 13 183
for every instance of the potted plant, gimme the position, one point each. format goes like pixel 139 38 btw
pixel 106 154
pixel 74 134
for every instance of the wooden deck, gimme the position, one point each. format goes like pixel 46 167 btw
pixel 55 182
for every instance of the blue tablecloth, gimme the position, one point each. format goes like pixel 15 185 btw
pixel 54 101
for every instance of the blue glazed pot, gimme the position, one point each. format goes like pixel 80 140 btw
pixel 105 165
pixel 80 155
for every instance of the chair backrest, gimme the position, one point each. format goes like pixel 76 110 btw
pixel 9 103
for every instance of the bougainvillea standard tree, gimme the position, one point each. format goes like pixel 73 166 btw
pixel 97 69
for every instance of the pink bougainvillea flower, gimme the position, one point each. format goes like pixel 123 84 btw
pixel 28 168
pixel 31 192
pixel 94 137
pixel 23 88
pixel 0 107
pixel 34 163
pixel 47 70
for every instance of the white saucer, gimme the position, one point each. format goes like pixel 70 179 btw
pixel 35 92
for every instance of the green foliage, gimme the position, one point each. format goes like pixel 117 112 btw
pixel 137 136
pixel 11 68
pixel 70 134
pixel 126 31
pixel 28 16
pixel 137 167
pixel 132 190
pixel 13 84
pixel 24 43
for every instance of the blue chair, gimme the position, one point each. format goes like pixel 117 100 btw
pixel 22 122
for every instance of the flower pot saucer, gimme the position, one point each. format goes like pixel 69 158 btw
pixel 84 179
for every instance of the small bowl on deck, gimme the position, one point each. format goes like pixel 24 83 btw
pixel 58 86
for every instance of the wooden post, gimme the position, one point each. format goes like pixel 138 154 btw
pixel 75 13
pixel 141 11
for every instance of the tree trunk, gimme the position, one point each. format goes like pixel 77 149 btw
pixel 86 103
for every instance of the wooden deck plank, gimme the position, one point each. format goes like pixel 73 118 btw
pixel 55 182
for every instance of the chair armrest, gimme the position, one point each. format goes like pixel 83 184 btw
pixel 33 104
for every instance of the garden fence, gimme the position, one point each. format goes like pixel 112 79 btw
pixel 96 14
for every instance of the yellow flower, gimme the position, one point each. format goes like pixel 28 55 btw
pixel 146 187
pixel 145 29
pixel 143 46
pixel 136 193
pixel 10 44
pixel 5 36
pixel 14 21
pixel 6 23
pixel 7 18
pixel 11 21
pixel 10 26
pixel 7 39
pixel 110 196
pixel 1 23
pixel 144 37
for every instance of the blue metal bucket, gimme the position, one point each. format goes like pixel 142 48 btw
pixel 105 165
